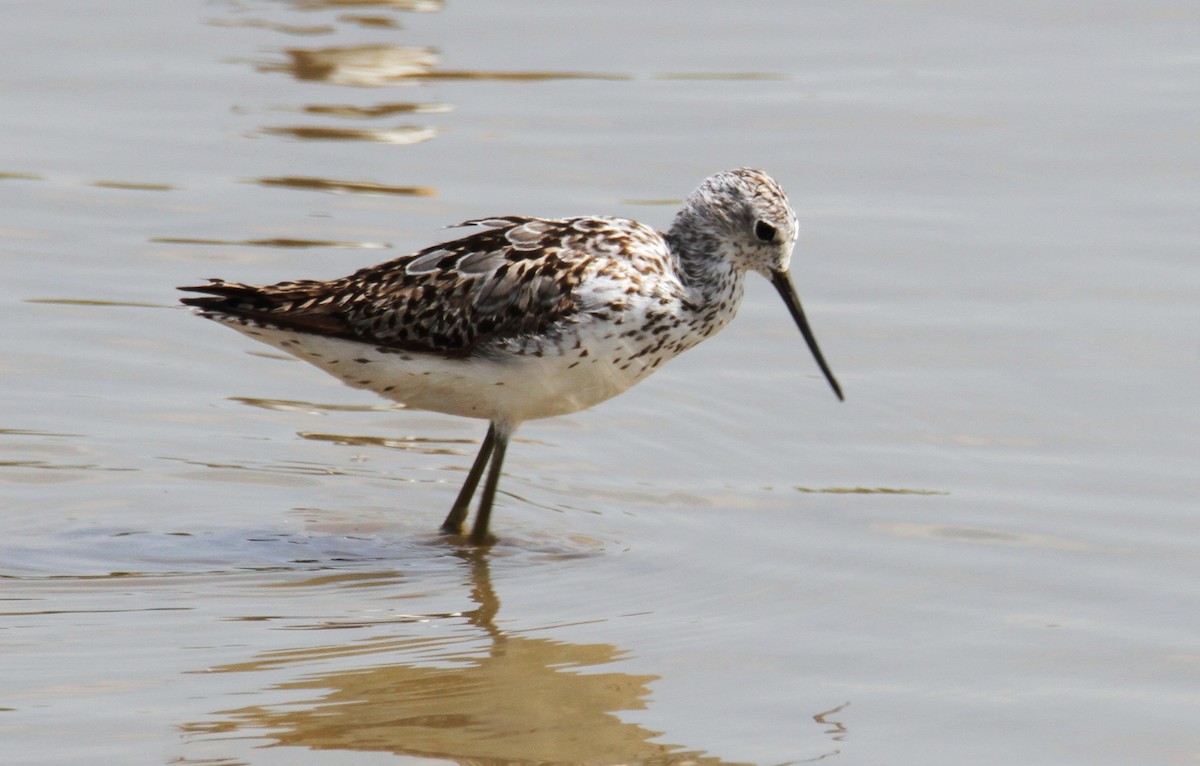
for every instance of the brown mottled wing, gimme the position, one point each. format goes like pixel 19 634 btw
pixel 514 277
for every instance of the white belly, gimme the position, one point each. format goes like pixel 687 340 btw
pixel 510 388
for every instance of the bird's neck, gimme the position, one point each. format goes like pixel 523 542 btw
pixel 712 282
pixel 704 269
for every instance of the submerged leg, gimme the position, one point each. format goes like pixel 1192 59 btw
pixel 479 532
pixel 458 513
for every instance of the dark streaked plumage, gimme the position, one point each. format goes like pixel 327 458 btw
pixel 517 277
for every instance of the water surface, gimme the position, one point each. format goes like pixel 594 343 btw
pixel 988 554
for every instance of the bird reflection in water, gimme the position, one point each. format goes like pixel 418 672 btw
pixel 472 693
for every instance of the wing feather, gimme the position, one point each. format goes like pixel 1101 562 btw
pixel 515 276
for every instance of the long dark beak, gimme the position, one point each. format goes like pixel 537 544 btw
pixel 783 283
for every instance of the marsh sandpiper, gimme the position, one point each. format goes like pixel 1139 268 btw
pixel 525 318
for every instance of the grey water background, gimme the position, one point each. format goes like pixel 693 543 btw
pixel 989 554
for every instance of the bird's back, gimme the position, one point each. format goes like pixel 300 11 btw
pixel 591 304
pixel 515 277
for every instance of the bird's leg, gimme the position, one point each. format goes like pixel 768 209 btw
pixel 479 532
pixel 458 513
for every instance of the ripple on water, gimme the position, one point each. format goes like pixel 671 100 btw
pixel 978 536
pixel 349 548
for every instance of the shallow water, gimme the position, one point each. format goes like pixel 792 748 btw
pixel 990 553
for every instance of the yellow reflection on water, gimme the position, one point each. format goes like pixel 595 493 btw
pixel 418 444
pixel 868 491
pixel 287 29
pixel 373 66
pixel 315 408
pixel 131 186
pixel 400 134
pixel 360 65
pixel 377 110
pixel 515 699
pixel 425 6
pixel 369 21
pixel 285 242
pixel 333 185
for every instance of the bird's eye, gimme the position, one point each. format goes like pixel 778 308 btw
pixel 764 231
